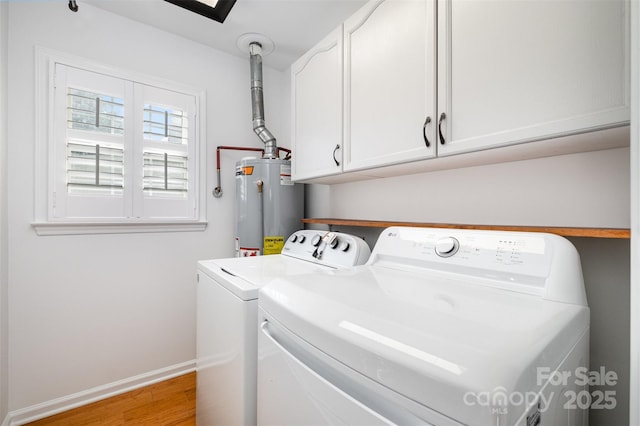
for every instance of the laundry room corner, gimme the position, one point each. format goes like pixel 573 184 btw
pixel 451 208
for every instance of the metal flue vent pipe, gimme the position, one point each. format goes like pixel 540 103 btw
pixel 257 102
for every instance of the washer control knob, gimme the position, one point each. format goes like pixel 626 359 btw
pixel 316 240
pixel 293 238
pixel 334 243
pixel 302 239
pixel 344 245
pixel 447 247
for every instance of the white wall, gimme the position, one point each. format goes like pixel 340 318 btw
pixel 85 311
pixel 4 365
pixel 586 189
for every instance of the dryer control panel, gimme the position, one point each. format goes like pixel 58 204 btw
pixel 334 249
pixel 536 263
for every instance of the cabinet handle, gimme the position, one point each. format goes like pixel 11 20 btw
pixel 424 132
pixel 442 117
pixel 334 154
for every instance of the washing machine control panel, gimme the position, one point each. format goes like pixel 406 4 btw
pixel 334 249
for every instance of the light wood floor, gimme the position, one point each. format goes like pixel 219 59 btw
pixel 172 402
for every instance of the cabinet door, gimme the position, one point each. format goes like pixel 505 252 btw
pixel 518 71
pixel 316 110
pixel 389 83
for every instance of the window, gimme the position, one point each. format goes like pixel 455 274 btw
pixel 120 150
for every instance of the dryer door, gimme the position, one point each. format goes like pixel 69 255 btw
pixel 298 384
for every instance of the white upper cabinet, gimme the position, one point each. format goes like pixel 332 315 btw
pixel 316 107
pixel 427 78
pixel 389 87
pixel 516 71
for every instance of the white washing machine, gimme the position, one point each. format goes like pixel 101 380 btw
pixel 440 327
pixel 227 308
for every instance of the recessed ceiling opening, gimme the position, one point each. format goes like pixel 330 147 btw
pixel 213 9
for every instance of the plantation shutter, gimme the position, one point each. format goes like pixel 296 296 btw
pixel 94 166
pixel 166 168
pixel 91 141
pixel 122 149
pixel 168 153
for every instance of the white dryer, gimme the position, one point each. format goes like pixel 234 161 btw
pixel 227 309
pixel 440 327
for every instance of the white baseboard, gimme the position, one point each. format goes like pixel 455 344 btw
pixel 58 405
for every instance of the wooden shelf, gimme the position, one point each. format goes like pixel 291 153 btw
pixel 565 232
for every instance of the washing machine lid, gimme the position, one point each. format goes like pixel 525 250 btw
pixel 244 276
pixel 435 338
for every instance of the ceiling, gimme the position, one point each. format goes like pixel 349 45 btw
pixel 294 26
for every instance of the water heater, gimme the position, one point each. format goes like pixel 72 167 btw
pixel 269 206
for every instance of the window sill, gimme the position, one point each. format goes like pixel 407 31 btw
pixel 87 228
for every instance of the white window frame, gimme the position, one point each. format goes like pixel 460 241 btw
pixel 46 222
